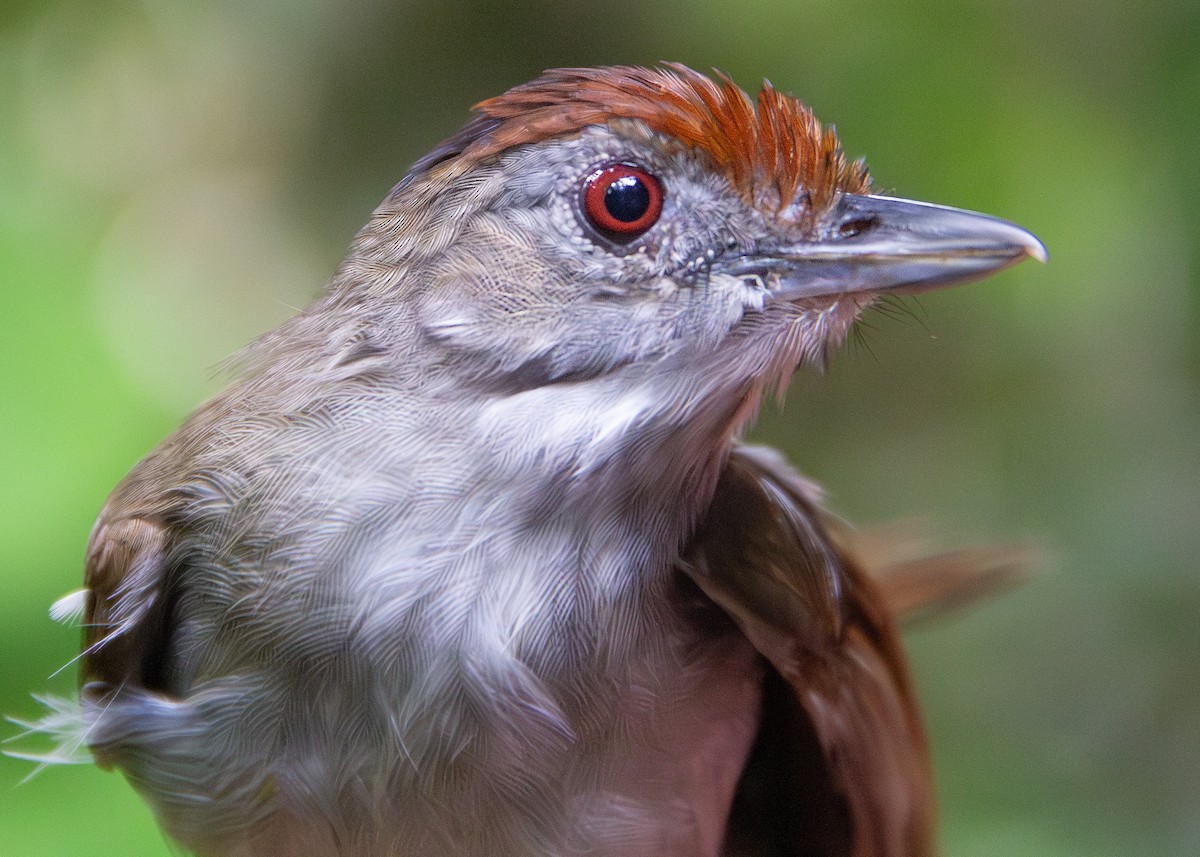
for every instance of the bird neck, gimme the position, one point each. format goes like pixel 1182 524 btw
pixel 622 459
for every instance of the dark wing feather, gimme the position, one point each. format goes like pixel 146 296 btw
pixel 840 766
pixel 125 620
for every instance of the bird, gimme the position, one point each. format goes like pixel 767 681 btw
pixel 471 559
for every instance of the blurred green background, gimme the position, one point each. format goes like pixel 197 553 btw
pixel 175 178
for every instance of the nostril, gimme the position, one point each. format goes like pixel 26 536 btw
pixel 856 226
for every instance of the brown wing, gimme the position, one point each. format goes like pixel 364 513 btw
pixel 840 765
pixel 125 618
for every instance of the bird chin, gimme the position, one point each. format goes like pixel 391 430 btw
pixel 815 327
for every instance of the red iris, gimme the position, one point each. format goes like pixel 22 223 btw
pixel 622 201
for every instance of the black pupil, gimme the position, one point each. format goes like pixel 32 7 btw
pixel 627 198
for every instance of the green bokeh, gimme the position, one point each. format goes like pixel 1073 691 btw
pixel 175 178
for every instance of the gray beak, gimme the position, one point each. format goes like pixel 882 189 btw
pixel 879 243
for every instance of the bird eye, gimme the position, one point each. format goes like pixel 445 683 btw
pixel 622 201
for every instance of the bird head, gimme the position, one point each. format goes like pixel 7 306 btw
pixel 652 226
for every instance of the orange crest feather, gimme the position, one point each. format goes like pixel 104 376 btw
pixel 771 151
